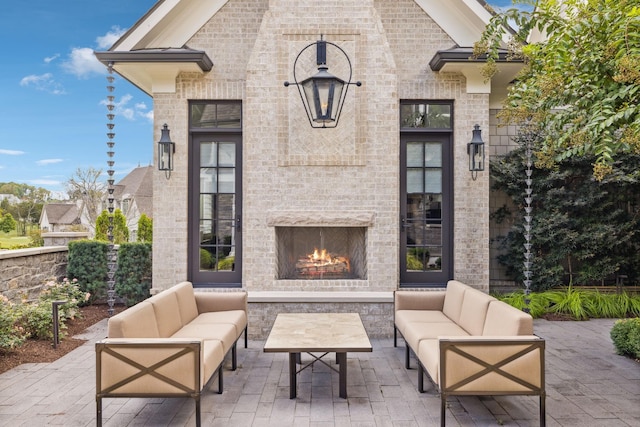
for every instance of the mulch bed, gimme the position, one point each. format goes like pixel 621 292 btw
pixel 39 351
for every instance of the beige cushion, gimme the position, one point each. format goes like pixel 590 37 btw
pixel 237 318
pixel 212 357
pixel 404 317
pixel 416 332
pixel 419 300
pixel 452 306
pixel 138 321
pixel 429 355
pixel 503 319
pixel 186 302
pixel 474 310
pixel 165 305
pixel 223 332
pixel 220 301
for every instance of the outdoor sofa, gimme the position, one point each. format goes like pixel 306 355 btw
pixel 469 343
pixel 170 345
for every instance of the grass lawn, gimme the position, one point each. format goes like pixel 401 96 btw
pixel 11 239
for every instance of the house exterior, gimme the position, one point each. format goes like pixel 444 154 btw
pixel 133 195
pixel 60 217
pixel 257 196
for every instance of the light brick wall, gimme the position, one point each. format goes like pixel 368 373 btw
pixel 289 168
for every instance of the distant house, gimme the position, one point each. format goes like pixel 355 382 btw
pixel 10 198
pixel 133 195
pixel 62 217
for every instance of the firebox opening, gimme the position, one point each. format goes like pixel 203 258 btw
pixel 321 253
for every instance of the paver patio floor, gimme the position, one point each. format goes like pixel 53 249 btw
pixel 587 385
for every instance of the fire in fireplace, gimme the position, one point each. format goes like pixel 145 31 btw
pixel 313 253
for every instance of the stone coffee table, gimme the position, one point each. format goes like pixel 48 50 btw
pixel 297 333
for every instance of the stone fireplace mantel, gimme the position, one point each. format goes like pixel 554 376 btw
pixel 345 218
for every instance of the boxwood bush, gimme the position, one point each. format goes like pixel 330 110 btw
pixel 88 264
pixel 133 276
pixel 626 337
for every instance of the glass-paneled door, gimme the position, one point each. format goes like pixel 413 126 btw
pixel 426 201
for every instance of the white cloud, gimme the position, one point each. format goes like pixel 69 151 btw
pixel 11 152
pixel 44 82
pixel 49 59
pixel 106 41
pixel 44 182
pixel 45 162
pixel 123 109
pixel 82 63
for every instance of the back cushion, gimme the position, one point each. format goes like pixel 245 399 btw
pixel 474 311
pixel 502 319
pixel 186 302
pixel 453 300
pixel 138 321
pixel 165 306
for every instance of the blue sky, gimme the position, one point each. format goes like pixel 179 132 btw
pixel 52 89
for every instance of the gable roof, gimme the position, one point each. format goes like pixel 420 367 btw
pixel 137 185
pixel 62 213
pixel 153 51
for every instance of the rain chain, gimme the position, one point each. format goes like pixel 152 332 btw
pixel 112 254
pixel 527 229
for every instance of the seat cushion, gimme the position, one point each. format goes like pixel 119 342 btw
pixel 212 356
pixel 165 306
pixel 138 321
pixel 237 318
pixel 418 331
pixel 475 304
pixel 403 317
pixel 429 355
pixel 452 306
pixel 505 320
pixel 186 301
pixel 223 332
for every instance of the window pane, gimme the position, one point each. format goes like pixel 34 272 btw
pixel 206 206
pixel 226 206
pixel 208 154
pixel 226 178
pixel 208 180
pixel 206 232
pixel 433 181
pixel 414 154
pixel 229 115
pixel 207 259
pixel 425 115
pixel 439 116
pixel 414 181
pixel 227 154
pixel 433 154
pixel 216 115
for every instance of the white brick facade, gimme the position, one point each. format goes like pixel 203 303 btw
pixel 291 170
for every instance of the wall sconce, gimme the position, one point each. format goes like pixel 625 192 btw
pixel 166 149
pixel 322 94
pixel 475 149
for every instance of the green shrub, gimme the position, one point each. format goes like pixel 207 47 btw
pixel 88 265
pixel 577 303
pixel 145 229
pixel 226 264
pixel 133 276
pixel 37 318
pixel 626 337
pixel 11 334
pixel 206 260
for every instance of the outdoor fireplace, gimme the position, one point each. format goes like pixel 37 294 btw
pixel 321 253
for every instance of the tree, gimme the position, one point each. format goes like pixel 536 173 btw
pixel 580 84
pixel 145 229
pixel 583 232
pixel 85 186
pixel 28 210
pixel 120 229
pixel 7 223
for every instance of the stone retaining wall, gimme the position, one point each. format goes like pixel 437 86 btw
pixel 24 271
